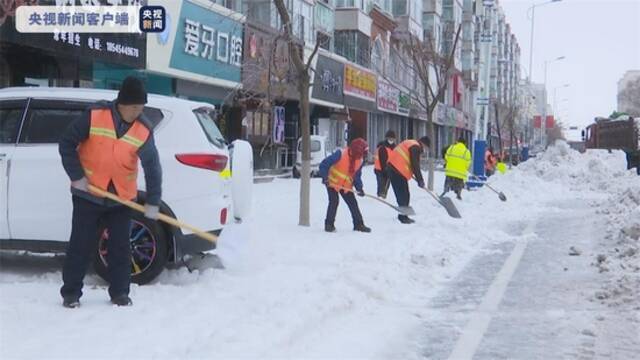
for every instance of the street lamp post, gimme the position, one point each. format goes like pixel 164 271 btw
pixel 533 13
pixel 543 136
pixel 555 93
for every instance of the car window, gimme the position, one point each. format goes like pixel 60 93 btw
pixel 205 118
pixel 315 146
pixel 48 119
pixel 11 112
pixel 154 116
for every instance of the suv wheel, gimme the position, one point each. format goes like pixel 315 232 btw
pixel 149 250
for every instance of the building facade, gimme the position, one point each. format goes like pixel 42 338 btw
pixel 230 53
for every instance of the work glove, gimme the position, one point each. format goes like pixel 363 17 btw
pixel 82 184
pixel 360 193
pixel 151 211
pixel 421 183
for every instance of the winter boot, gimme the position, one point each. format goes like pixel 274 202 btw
pixel 329 227
pixel 405 219
pixel 122 300
pixel 71 302
pixel 361 228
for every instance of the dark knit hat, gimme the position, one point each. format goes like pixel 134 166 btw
pixel 358 147
pixel 132 92
pixel 425 140
pixel 390 134
pixel 462 140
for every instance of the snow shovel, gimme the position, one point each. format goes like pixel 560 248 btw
pixel 501 195
pixel 446 203
pixel 162 217
pixel 403 210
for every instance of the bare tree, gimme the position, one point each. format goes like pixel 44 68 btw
pixel 424 61
pixel 630 96
pixel 304 82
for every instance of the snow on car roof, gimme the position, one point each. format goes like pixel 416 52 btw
pixel 89 94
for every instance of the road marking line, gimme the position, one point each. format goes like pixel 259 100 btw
pixel 477 326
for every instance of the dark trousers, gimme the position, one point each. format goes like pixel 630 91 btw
pixel 383 183
pixel 455 184
pixel 350 199
pixel 87 217
pixel 400 189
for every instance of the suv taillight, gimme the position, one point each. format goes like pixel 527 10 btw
pixel 204 161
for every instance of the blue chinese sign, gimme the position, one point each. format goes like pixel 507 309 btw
pixel 207 43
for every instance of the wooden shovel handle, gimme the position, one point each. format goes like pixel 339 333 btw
pixel 162 217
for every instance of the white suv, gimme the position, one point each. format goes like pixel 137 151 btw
pixel 197 186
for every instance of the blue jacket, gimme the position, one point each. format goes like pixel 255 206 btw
pixel 330 160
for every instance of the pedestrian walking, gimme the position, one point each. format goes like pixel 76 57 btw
pixel 380 159
pixel 102 148
pixel 341 172
pixel 458 159
pixel 404 164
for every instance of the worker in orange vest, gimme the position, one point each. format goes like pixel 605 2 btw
pixel 404 164
pixel 341 172
pixel 380 162
pixel 490 161
pixel 102 148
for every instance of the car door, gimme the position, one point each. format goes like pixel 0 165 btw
pixel 40 200
pixel 11 116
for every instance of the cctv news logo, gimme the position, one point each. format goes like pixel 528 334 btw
pixel 90 19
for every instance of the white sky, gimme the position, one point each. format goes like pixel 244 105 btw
pixel 600 40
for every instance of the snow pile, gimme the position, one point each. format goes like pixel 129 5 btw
pixel 593 170
pixel 621 247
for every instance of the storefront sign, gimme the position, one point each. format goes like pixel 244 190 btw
pixel 359 83
pixel 328 80
pixel 266 67
pixel 404 103
pixel 207 43
pixel 388 96
pixel 115 48
pixel 278 124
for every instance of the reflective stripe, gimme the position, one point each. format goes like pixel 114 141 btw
pixel 102 132
pixel 340 174
pixel 88 171
pixel 131 140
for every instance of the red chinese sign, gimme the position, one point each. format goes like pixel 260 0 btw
pixel 359 83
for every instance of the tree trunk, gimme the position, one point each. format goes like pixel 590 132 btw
pixel 498 130
pixel 431 153
pixel 305 176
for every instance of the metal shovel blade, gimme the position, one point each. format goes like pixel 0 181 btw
pixel 406 210
pixel 448 204
pixel 502 196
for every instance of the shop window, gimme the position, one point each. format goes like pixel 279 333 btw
pixel 257 123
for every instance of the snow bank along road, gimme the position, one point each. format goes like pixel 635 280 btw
pixel 497 284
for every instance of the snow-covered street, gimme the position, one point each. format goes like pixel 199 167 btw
pixel 552 273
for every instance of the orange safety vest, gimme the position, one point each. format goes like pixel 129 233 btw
pixel 339 176
pixel 107 158
pixel 489 161
pixel 376 158
pixel 400 158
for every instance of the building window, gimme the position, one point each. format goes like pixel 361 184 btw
pixel 377 57
pixel 354 46
pixel 235 5
pixel 400 7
